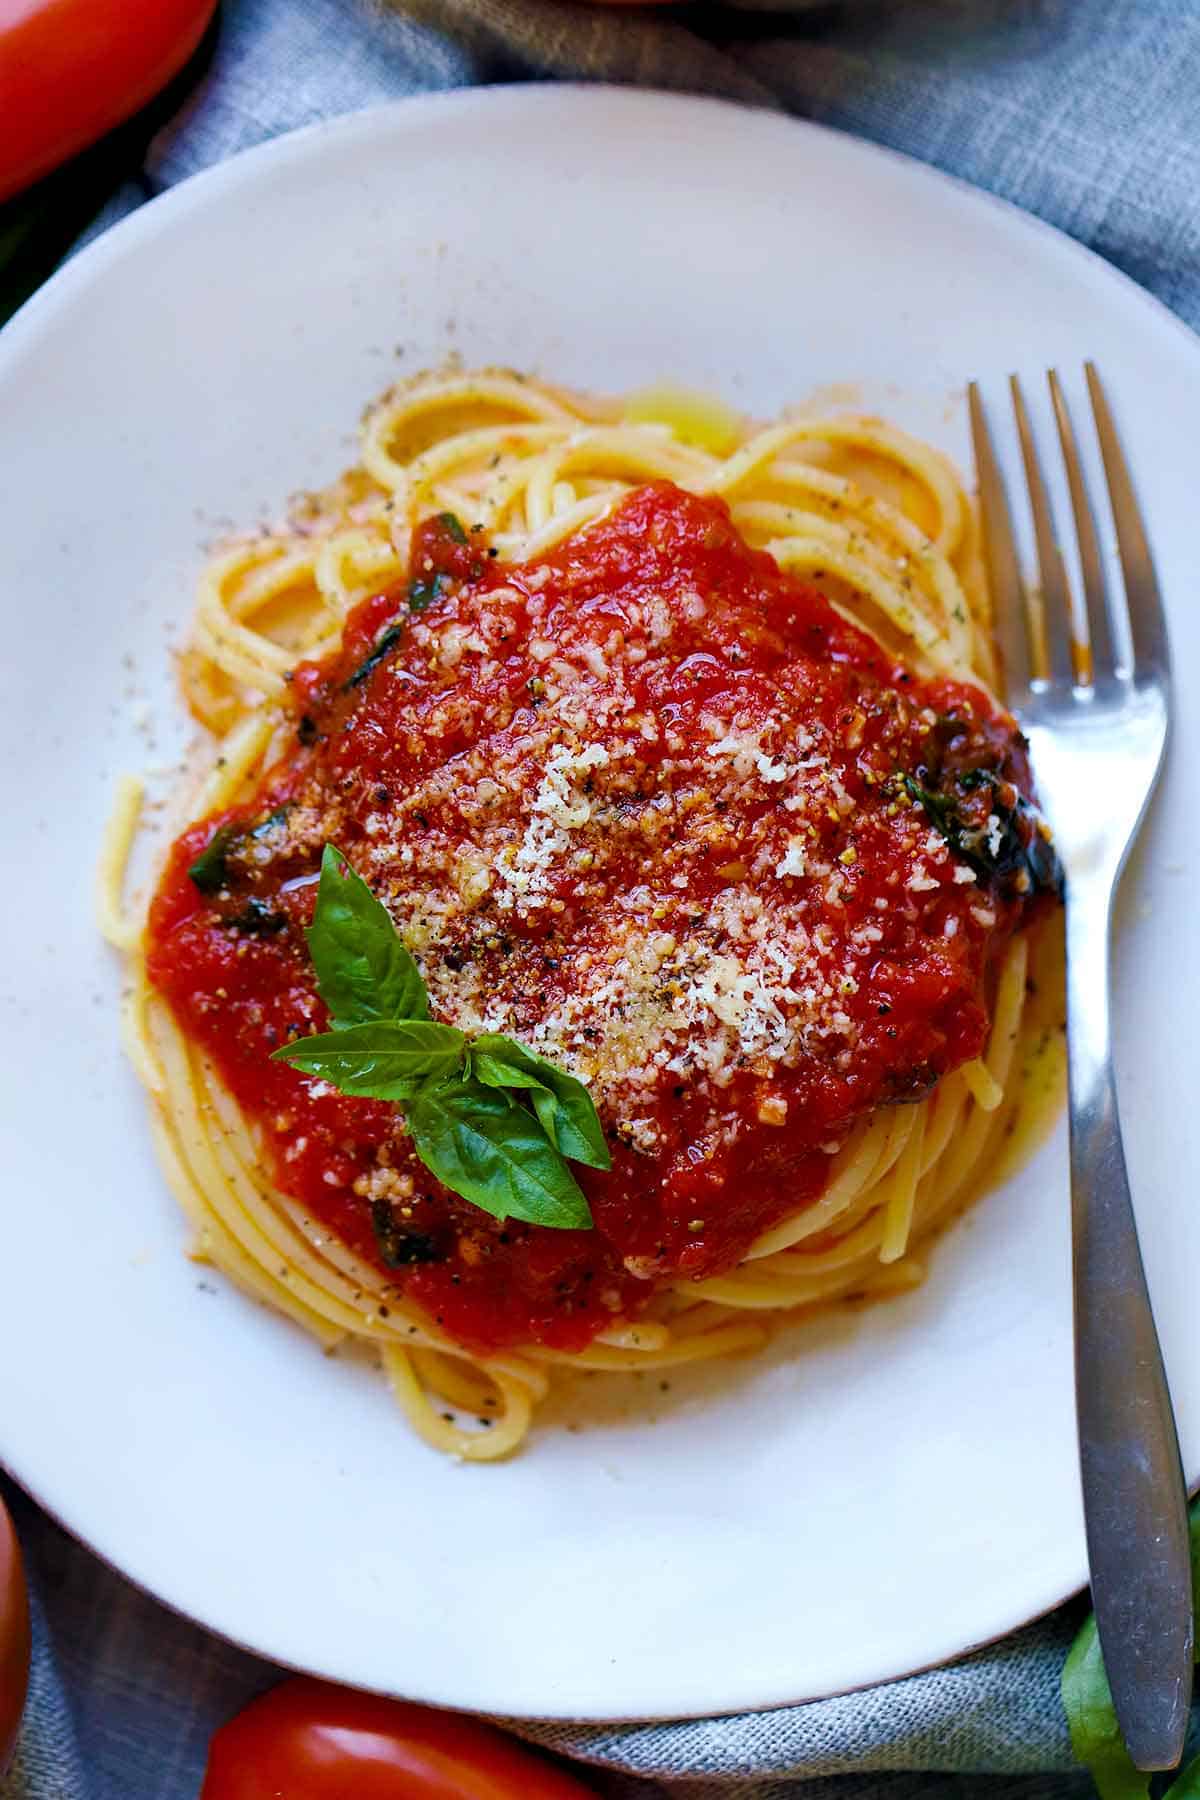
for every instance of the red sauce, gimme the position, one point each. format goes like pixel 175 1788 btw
pixel 650 744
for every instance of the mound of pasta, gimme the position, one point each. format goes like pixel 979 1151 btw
pixel 607 784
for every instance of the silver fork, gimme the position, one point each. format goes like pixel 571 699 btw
pixel 1096 718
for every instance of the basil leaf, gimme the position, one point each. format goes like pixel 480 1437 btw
pixel 563 1104
pixel 1092 1721
pixel 491 1151
pixel 453 525
pixel 399 1247
pixel 391 637
pixel 363 970
pixel 1186 1785
pixel 465 1125
pixel 209 871
pixel 1020 848
pixel 422 592
pixel 266 826
pixel 388 1059
pixel 256 920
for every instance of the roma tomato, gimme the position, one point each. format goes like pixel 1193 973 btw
pixel 309 1740
pixel 72 69
pixel 14 1639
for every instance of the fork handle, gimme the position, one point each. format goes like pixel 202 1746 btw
pixel 1134 1499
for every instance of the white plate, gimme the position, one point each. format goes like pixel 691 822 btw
pixel 878 1492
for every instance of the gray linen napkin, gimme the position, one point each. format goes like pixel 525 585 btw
pixel 1086 112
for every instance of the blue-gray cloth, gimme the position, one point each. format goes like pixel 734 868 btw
pixel 1086 112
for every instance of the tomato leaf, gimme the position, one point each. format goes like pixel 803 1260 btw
pixel 485 1146
pixel 385 1059
pixel 363 970
pixel 563 1104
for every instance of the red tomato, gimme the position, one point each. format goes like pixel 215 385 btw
pixel 309 1740
pixel 72 69
pixel 14 1639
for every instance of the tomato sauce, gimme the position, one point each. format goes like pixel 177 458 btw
pixel 657 809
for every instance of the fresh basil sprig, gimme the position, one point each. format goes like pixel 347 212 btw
pixel 459 1095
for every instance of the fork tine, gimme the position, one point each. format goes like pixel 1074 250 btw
pixel 1147 626
pixel 1008 593
pixel 1054 615
pixel 1095 658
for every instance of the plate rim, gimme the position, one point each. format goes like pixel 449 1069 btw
pixel 92 256
pixel 90 264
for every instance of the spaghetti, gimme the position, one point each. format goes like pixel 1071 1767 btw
pixel 563 495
